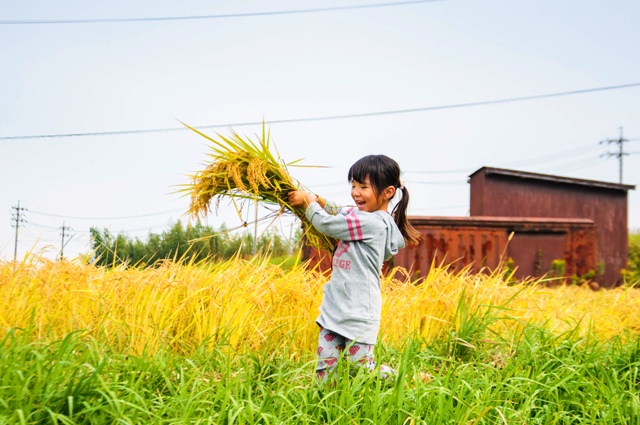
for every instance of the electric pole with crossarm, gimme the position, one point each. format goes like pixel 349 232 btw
pixel 620 154
pixel 64 229
pixel 18 220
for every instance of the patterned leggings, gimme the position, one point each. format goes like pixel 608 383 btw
pixel 330 347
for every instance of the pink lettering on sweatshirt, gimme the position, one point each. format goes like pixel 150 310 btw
pixel 341 264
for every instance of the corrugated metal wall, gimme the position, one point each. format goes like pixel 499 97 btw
pixel 511 193
pixel 482 242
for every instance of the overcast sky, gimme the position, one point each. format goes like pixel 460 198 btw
pixel 432 69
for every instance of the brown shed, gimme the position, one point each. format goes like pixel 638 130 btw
pixel 501 192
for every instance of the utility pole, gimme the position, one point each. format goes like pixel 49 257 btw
pixel 620 154
pixel 64 229
pixel 17 220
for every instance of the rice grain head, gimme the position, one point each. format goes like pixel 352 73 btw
pixel 242 170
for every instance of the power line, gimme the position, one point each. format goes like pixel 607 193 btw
pixel 554 156
pixel 106 218
pixel 32 234
pixel 458 171
pixel 451 182
pixel 199 17
pixel 581 166
pixel 337 117
pixel 47 229
pixel 573 165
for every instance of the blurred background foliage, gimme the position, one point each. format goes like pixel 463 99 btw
pixel 189 243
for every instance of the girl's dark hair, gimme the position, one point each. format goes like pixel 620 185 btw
pixel 384 172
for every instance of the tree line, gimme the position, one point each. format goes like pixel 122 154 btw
pixel 186 242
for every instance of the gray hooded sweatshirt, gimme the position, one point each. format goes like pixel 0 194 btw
pixel 352 301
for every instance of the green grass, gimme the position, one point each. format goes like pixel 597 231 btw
pixel 535 378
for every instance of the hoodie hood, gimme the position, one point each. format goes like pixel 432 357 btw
pixel 395 240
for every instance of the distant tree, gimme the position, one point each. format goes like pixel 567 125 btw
pixel 195 242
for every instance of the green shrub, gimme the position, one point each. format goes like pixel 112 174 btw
pixel 631 274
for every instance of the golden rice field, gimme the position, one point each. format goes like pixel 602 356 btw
pixel 246 303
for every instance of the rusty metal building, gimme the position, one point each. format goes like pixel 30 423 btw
pixel 510 193
pixel 533 244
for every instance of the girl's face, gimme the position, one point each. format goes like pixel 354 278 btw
pixel 365 197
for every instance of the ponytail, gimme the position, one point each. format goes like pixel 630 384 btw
pixel 399 214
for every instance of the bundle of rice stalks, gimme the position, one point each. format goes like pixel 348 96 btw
pixel 241 169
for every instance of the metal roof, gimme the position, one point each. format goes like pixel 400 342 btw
pixel 552 178
pixel 488 221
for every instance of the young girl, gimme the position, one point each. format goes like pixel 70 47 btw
pixel 367 235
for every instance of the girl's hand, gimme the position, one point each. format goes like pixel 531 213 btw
pixel 299 198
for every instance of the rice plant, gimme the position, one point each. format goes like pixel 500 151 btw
pixel 234 343
pixel 249 303
pixel 243 170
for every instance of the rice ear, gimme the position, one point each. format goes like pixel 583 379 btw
pixel 242 169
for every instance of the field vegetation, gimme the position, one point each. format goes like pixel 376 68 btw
pixel 632 273
pixel 234 342
pixel 190 242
